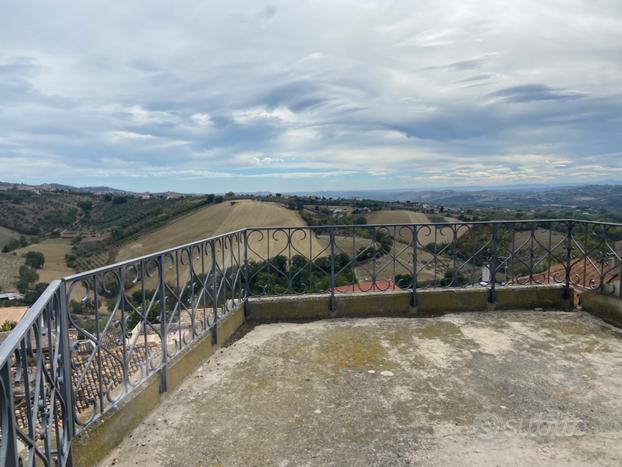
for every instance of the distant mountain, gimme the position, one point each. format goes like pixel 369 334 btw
pixel 592 196
pixel 58 187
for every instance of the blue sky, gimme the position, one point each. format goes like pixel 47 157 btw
pixel 202 96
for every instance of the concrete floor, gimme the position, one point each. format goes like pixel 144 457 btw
pixel 495 388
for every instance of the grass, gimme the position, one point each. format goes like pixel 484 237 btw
pixel 227 217
pixel 54 251
pixel 424 237
pixel 6 235
pixel 9 265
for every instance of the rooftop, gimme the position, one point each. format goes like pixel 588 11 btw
pixel 250 347
pixel 471 389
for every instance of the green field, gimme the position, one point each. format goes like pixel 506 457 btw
pixel 9 265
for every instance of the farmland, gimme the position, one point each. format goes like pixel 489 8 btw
pixel 222 218
pixel 9 265
pixel 54 251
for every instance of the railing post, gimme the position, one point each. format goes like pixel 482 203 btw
pixel 214 293
pixel 413 297
pixel 163 325
pixel 246 284
pixel 332 306
pixel 492 295
pixel 8 432
pixel 569 239
pixel 66 384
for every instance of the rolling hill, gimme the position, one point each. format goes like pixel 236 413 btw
pixel 397 217
pixel 223 218
pixel 54 250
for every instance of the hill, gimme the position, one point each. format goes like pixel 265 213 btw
pixel 7 235
pixel 222 218
pixel 54 250
pixel 397 217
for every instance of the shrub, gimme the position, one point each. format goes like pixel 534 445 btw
pixel 27 277
pixel 8 326
pixel 35 259
pixel 33 294
pixel 71 260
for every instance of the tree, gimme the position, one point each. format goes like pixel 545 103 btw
pixel 33 294
pixel 71 260
pixel 119 200
pixel 86 206
pixel 403 281
pixel 27 276
pixel 229 194
pixel 117 232
pixel 35 259
pixel 11 245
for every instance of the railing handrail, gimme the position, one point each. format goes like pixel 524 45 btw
pixel 412 224
pixel 137 259
pixel 25 323
pixel 155 254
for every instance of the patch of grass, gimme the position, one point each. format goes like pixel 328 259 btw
pixel 9 266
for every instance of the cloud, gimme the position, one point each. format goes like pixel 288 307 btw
pixel 536 92
pixel 277 96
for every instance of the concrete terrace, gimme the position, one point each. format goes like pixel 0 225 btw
pixel 479 388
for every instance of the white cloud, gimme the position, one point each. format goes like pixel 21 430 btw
pixel 424 93
pixel 129 136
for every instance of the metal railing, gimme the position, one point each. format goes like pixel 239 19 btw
pixel 95 336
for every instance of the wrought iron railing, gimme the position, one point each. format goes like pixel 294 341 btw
pixel 93 337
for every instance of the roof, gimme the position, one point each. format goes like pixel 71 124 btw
pixel 585 274
pixel 12 313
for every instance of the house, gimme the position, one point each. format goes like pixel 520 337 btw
pixel 68 234
pixel 11 296
pixel 586 274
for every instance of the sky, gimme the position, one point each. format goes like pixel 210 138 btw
pixel 205 96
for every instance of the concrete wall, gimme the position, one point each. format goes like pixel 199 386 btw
pixel 606 307
pixel 433 301
pixel 93 445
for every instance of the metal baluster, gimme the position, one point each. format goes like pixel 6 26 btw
pixel 214 293
pixel 332 269
pixel 9 425
pixel 65 379
pixel 413 297
pixel 492 298
pixel 246 280
pixel 163 326
pixel 568 260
